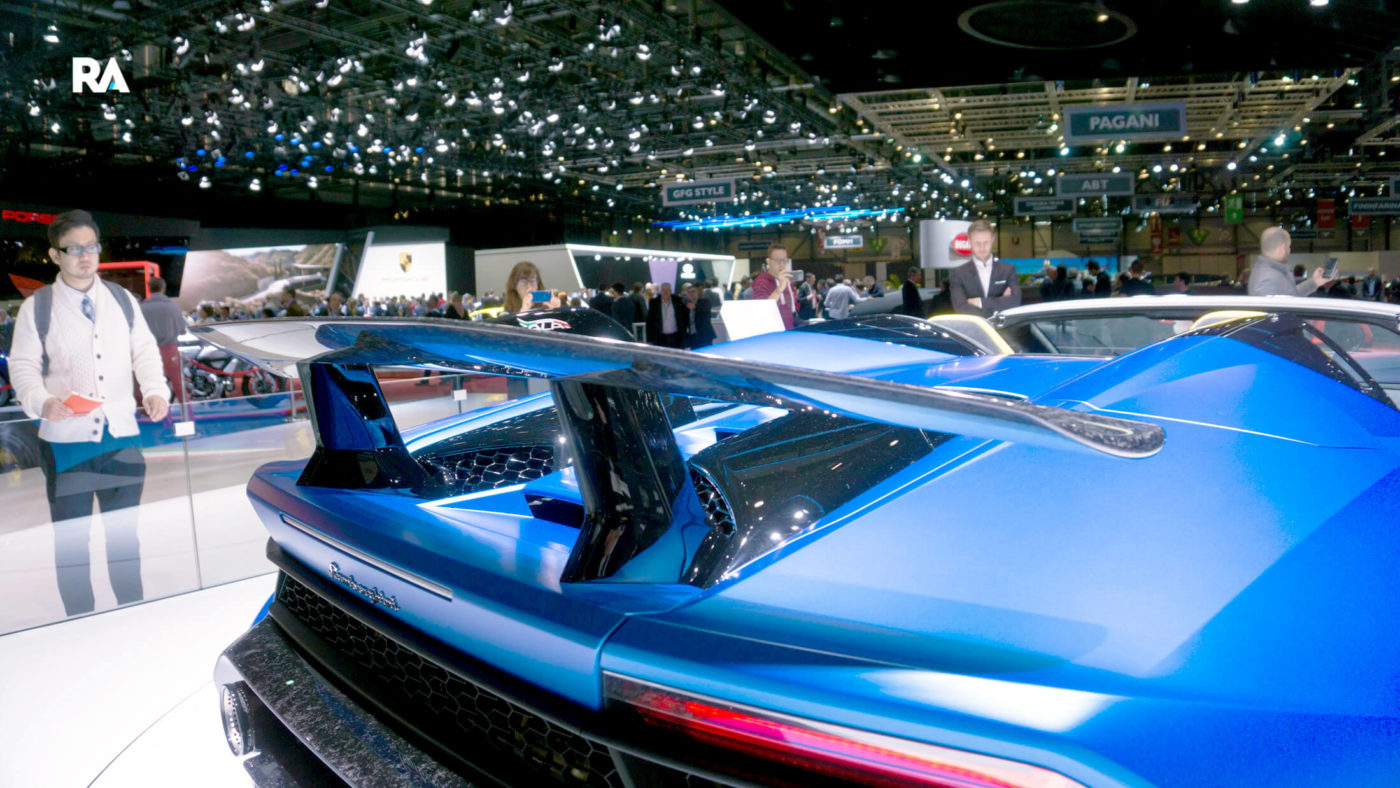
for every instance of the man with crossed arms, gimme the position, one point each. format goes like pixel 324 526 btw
pixel 984 285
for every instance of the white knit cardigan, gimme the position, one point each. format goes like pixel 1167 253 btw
pixel 95 359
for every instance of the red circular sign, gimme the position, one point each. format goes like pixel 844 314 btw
pixel 962 245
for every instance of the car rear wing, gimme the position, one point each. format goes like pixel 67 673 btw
pixel 284 345
pixel 613 422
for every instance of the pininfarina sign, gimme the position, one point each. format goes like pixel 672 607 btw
pixel 1044 206
pixel 1161 120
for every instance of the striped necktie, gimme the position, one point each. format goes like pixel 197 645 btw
pixel 87 308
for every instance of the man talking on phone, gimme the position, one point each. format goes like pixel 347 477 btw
pixel 1271 274
pixel 775 283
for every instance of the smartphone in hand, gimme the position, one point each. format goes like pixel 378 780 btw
pixel 540 296
pixel 1330 269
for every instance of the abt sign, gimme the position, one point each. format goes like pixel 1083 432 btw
pixel 89 73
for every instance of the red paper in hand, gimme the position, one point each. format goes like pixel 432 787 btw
pixel 80 404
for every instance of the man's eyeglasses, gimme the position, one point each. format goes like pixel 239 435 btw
pixel 74 251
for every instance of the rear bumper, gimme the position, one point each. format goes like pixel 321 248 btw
pixel 299 725
pixel 328 690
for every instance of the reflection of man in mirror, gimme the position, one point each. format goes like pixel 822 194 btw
pixel 83 336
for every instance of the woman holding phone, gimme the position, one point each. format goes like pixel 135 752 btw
pixel 525 290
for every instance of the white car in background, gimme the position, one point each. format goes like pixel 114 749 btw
pixel 1368 331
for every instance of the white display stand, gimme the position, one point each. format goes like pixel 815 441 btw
pixel 742 319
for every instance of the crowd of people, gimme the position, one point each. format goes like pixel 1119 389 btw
pixel 684 317
pixel 660 314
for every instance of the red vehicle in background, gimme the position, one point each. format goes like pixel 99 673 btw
pixel 135 276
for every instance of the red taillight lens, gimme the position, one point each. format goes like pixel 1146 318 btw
pixel 835 751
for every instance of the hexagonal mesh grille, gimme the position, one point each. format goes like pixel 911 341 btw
pixel 420 689
pixel 488 469
pixel 717 511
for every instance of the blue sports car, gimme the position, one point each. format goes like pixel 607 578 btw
pixel 866 553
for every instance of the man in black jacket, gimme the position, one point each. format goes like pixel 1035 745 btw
pixel 602 301
pixel 1103 285
pixel 668 320
pixel 913 304
pixel 1138 282
pixel 624 310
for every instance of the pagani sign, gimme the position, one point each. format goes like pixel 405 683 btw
pixel 1156 121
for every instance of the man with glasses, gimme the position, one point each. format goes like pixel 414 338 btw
pixel 89 344
pixel 775 283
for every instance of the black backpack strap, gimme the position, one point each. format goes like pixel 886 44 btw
pixel 43 310
pixel 123 297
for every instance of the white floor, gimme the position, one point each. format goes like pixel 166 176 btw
pixel 124 698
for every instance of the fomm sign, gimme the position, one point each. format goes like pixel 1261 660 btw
pixel 89 73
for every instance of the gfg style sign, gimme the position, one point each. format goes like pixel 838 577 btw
pixel 89 73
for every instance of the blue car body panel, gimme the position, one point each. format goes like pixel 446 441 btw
pixel 1218 611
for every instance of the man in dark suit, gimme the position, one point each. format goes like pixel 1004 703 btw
pixel 668 320
pixel 912 304
pixel 1103 286
pixel 984 285
pixel 624 310
pixel 602 301
pixel 1138 281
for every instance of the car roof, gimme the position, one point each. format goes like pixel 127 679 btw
pixel 1089 307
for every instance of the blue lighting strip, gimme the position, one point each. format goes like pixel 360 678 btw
pixel 827 214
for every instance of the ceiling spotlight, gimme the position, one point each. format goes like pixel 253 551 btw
pixel 255 185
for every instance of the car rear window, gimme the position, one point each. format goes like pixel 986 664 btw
pixel 1092 336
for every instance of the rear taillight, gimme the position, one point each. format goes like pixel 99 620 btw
pixel 837 752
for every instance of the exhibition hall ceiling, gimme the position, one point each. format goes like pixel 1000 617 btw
pixel 939 109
